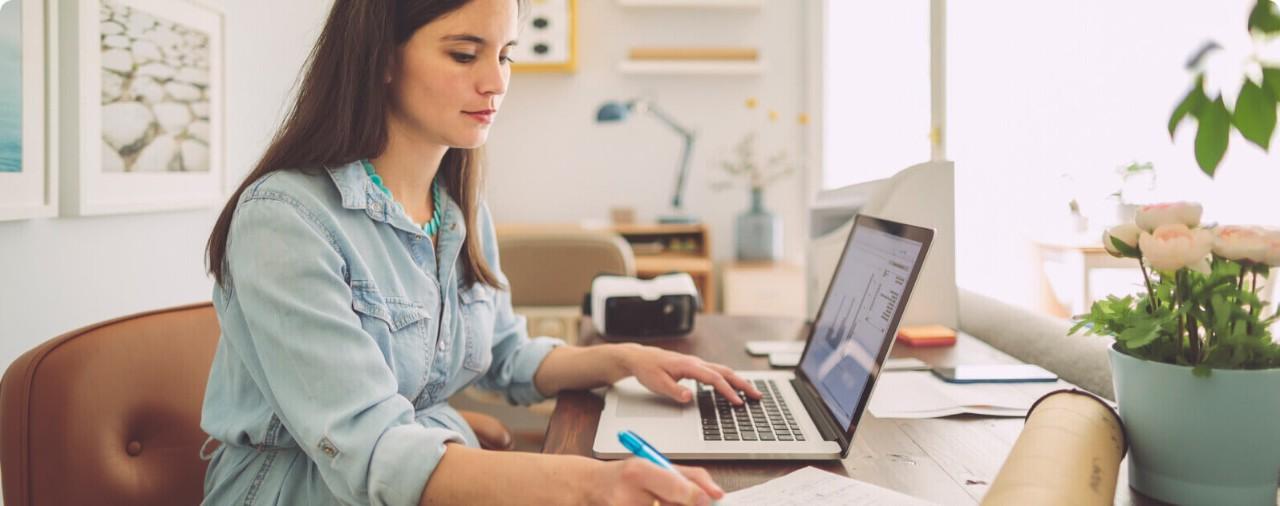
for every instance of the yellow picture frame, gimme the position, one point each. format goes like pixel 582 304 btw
pixel 548 38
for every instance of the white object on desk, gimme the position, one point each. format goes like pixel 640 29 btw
pixel 918 394
pixel 762 348
pixel 904 364
pixel 787 354
pixel 810 485
pixel 784 359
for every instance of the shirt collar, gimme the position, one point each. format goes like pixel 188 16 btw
pixel 358 192
pixel 354 186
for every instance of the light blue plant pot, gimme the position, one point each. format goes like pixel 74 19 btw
pixel 1213 440
pixel 759 232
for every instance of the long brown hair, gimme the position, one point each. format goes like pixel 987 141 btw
pixel 340 116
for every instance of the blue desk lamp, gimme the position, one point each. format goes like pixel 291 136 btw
pixel 617 111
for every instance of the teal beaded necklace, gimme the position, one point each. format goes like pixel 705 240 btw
pixel 429 227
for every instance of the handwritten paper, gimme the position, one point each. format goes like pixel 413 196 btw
pixel 812 486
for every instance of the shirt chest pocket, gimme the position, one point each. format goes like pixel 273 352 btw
pixel 478 314
pixel 399 326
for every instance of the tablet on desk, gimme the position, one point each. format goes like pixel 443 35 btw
pixel 1002 373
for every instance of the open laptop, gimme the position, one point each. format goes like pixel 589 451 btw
pixel 808 414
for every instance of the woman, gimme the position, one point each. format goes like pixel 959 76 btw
pixel 358 287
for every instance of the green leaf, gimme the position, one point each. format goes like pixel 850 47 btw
pixel 1191 104
pixel 1271 80
pixel 1202 371
pixel 1139 335
pixel 1211 136
pixel 1255 115
pixel 1125 249
pixel 1264 18
pixel 1263 270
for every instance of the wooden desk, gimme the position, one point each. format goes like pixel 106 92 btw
pixel 946 460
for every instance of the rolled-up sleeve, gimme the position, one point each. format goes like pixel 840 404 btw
pixel 324 376
pixel 516 357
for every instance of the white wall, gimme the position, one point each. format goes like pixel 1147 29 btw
pixel 60 274
pixel 550 161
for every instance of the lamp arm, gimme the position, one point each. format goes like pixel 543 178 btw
pixel 688 135
pixel 685 132
pixel 684 171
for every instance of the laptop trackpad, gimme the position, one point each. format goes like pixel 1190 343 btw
pixel 636 401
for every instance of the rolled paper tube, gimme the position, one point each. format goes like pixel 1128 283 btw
pixel 1069 453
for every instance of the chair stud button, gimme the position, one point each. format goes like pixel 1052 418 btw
pixel 134 448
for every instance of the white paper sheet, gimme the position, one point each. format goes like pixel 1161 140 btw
pixel 812 486
pixel 920 394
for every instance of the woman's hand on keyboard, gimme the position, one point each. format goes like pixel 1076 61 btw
pixel 659 370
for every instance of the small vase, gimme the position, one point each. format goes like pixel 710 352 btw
pixel 1194 440
pixel 759 232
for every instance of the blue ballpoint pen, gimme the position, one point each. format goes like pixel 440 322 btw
pixel 641 448
pixel 644 450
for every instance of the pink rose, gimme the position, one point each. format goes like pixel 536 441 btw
pixel 1153 216
pixel 1174 246
pixel 1271 254
pixel 1240 243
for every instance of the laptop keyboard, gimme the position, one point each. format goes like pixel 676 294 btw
pixel 767 419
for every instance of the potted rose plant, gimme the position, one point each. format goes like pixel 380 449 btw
pixel 1195 367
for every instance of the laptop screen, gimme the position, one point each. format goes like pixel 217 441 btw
pixel 859 315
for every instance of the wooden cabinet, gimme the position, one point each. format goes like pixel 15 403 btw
pixel 662 248
pixel 763 289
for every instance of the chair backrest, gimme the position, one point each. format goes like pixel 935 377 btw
pixel 555 266
pixel 110 414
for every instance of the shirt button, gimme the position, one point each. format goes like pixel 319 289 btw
pixel 328 448
pixel 441 345
pixel 453 226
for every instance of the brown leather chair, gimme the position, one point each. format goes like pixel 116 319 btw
pixel 110 413
pixel 553 265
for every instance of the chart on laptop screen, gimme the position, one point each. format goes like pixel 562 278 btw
pixel 856 316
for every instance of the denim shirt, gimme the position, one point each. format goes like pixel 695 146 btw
pixel 344 332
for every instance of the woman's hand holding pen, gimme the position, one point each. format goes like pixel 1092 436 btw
pixel 639 482
pixel 659 370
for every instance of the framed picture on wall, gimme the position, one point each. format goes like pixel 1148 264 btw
pixel 548 38
pixel 28 180
pixel 142 106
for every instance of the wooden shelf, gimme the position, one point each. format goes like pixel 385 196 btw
pixel 648 265
pixel 691 67
pixel 657 229
pixel 694 4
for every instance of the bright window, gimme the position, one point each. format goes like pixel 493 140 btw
pixel 875 89
pixel 1047 100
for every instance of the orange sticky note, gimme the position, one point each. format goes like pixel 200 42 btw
pixel 926 335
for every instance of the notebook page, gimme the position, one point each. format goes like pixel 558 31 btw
pixel 812 486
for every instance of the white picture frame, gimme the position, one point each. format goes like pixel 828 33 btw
pixel 102 174
pixel 32 191
pixel 548 38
